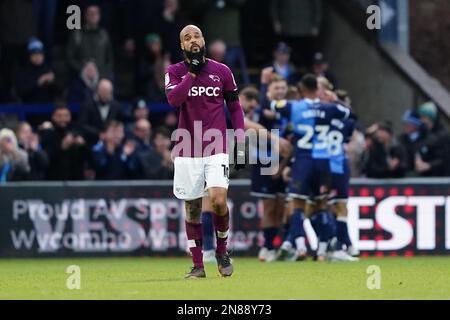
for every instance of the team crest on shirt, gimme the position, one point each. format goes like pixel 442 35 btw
pixel 214 77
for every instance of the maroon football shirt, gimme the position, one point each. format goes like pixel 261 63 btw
pixel 200 102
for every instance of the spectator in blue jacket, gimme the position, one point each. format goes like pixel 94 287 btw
pixel 111 158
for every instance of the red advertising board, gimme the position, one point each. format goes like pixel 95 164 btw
pixel 386 218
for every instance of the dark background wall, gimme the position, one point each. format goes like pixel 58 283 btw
pixel 430 37
pixel 378 89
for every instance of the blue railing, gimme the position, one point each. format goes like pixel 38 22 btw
pixel 23 110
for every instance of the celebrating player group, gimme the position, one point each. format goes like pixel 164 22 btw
pixel 312 178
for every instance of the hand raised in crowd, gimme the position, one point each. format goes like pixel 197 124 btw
pixel 266 75
pixel 129 147
pixel 42 79
pixel 46 125
pixel 34 142
pixel 48 77
pixel 420 165
pixel 67 141
pixel 394 163
pixel 79 140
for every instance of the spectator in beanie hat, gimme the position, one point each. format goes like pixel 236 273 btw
pixel 36 80
pixel 412 134
pixel 433 153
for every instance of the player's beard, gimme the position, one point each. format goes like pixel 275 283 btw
pixel 195 55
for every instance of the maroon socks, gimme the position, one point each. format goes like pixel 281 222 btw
pixel 194 236
pixel 221 225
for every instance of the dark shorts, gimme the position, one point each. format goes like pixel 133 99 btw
pixel 310 178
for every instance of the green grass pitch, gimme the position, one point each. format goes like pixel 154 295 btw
pixel 162 278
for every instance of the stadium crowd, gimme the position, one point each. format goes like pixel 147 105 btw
pixel 120 54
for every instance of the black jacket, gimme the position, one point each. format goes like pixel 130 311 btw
pixel 27 84
pixel 63 164
pixel 410 146
pixel 376 165
pixel 91 122
pixel 39 163
pixel 435 150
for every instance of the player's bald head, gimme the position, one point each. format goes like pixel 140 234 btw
pixel 189 29
pixel 192 41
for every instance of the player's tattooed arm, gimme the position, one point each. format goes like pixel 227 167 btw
pixel 193 210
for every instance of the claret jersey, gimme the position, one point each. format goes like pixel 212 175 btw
pixel 200 103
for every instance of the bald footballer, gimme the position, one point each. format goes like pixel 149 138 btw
pixel 200 88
